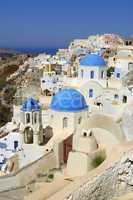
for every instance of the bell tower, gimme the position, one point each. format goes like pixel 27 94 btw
pixel 31 122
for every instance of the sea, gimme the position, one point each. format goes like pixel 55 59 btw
pixel 37 50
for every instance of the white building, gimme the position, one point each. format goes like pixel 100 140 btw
pixel 51 83
pixel 92 67
pixel 123 62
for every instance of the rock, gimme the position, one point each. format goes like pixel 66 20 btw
pixel 113 182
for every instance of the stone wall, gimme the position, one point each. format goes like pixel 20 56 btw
pixel 28 173
pixel 114 182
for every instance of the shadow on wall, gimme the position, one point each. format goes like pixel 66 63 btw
pixel 47 134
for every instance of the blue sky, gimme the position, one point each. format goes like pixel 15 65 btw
pixel 50 23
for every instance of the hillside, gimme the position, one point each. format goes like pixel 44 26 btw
pixel 8 66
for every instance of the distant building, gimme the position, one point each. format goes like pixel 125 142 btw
pixel 92 67
pixel 51 83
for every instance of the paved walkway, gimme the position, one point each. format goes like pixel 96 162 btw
pixel 17 194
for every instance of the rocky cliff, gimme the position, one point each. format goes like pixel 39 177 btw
pixel 113 183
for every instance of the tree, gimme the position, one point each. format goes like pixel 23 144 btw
pixel 110 70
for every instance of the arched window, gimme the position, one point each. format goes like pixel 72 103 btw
pixel 90 93
pixel 79 120
pixel 116 96
pixel 27 118
pixel 102 74
pixel 90 134
pixel 85 134
pixel 118 75
pixel 15 145
pixel 92 74
pixel 65 122
pixel 124 99
pixel 35 118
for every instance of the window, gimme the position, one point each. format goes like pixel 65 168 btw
pixel 116 96
pixel 118 75
pixel 102 74
pixel 85 134
pixel 126 43
pixel 130 66
pixel 90 93
pixel 65 122
pixel 124 99
pixel 82 73
pixel 79 120
pixel 35 118
pixel 27 118
pixel 15 145
pixel 90 133
pixel 92 74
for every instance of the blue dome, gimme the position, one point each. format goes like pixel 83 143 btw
pixel 68 100
pixel 92 60
pixel 29 105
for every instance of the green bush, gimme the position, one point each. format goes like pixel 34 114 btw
pixel 51 176
pixel 110 70
pixel 97 160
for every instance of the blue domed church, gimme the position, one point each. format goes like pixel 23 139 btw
pixel 68 110
pixel 92 67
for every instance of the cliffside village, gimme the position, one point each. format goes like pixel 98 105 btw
pixel 72 109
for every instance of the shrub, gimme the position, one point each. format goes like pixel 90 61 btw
pixel 51 176
pixel 97 160
pixel 110 70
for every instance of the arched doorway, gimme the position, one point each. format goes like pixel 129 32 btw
pixel 28 135
pixel 67 147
